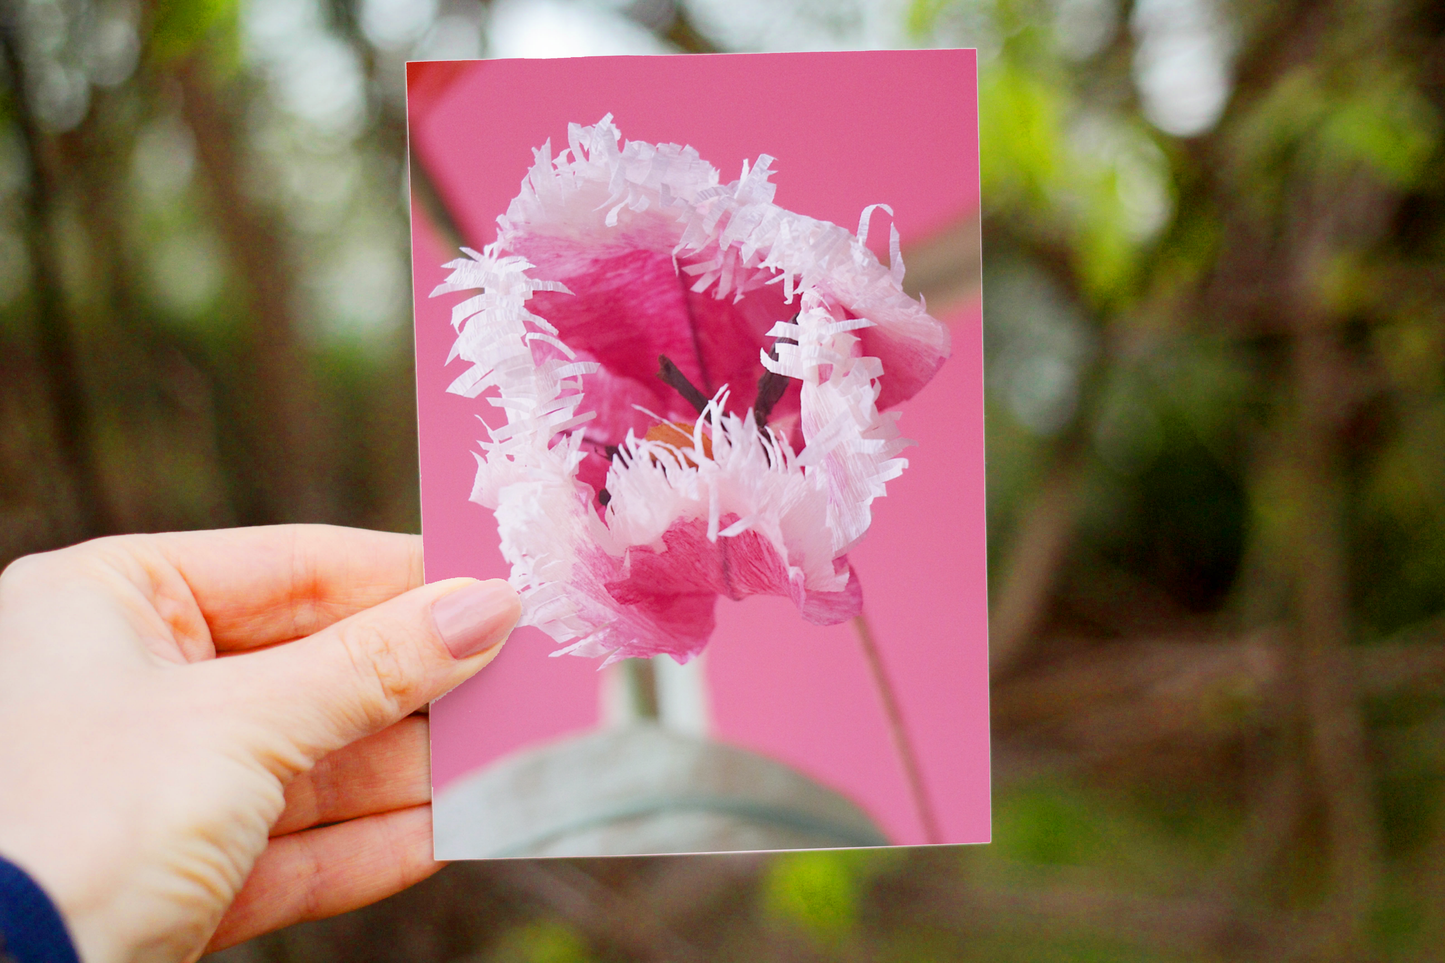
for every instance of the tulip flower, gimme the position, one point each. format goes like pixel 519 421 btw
pixel 694 387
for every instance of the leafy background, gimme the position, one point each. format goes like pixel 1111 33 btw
pixel 1215 325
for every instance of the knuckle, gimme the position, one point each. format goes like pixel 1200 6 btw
pixel 390 671
pixel 19 573
pixel 97 559
pixel 36 575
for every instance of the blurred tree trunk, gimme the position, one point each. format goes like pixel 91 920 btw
pixel 66 389
pixel 1318 556
pixel 285 423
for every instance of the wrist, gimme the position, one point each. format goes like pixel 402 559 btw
pixel 32 929
pixel 77 902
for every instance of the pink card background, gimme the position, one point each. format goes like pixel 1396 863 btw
pixel 848 130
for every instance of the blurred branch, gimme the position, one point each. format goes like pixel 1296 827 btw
pixel 1277 810
pixel 1195 927
pixel 1134 694
pixel 1281 35
pixel 671 21
pixel 1157 924
pixel 65 388
pixel 394 138
pixel 1161 678
pixel 1120 602
pixel 1395 668
pixel 1034 559
pixel 1040 549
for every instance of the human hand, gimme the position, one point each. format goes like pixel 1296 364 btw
pixel 183 714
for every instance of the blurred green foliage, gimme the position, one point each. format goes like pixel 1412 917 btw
pixel 179 26
pixel 542 941
pixel 817 891
pixel 1215 344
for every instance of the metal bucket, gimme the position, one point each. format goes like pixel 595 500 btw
pixel 641 789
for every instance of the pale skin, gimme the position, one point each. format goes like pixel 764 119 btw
pixel 206 736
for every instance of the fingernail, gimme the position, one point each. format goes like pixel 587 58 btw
pixel 473 619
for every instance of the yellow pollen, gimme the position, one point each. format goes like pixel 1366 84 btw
pixel 678 434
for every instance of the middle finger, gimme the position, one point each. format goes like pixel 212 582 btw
pixel 386 771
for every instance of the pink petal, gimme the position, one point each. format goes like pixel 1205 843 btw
pixel 628 306
pixel 619 253
pixel 910 359
pixel 665 599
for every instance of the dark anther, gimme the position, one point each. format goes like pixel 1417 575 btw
pixel 610 451
pixel 770 386
pixel 770 389
pixel 604 496
pixel 671 374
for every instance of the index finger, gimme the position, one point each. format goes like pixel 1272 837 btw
pixel 258 586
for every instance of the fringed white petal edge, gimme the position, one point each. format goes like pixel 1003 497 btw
pixel 529 482
pixel 731 235
pixel 812 506
pixel 851 445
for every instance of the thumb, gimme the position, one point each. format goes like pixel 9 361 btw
pixel 365 672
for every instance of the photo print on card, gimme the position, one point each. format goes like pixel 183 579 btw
pixel 699 369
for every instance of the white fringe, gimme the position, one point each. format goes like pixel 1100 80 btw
pixel 812 506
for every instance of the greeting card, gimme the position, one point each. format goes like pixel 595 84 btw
pixel 699 369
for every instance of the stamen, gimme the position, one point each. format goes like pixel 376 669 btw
pixel 770 391
pixel 604 496
pixel 771 386
pixel 678 434
pixel 673 375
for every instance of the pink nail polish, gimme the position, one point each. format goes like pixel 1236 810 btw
pixel 476 618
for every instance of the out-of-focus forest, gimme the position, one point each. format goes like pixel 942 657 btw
pixel 1214 276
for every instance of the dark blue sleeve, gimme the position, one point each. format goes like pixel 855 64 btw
pixel 31 930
